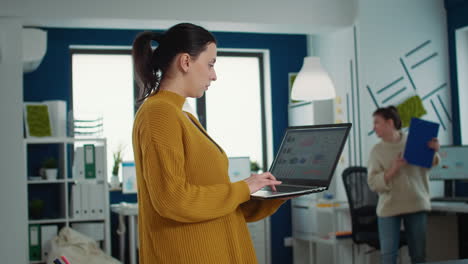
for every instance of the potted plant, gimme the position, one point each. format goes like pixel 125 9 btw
pixel 254 167
pixel 50 168
pixel 36 208
pixel 115 182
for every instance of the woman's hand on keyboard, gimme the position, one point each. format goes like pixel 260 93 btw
pixel 258 181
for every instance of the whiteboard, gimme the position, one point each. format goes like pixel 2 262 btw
pixel 453 164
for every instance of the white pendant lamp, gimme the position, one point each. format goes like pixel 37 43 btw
pixel 313 82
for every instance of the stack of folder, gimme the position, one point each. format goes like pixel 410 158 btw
pixel 89 163
pixel 87 201
pixel 40 237
pixel 87 194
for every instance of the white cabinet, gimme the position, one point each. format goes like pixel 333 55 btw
pixel 50 200
pixel 314 225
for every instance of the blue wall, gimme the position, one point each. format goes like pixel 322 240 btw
pixel 52 80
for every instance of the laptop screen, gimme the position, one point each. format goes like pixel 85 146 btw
pixel 308 155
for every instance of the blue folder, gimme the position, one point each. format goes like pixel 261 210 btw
pixel 416 150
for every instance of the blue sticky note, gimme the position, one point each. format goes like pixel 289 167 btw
pixel 416 150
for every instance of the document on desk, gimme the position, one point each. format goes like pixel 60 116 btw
pixel 416 150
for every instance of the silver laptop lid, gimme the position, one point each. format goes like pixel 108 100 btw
pixel 308 155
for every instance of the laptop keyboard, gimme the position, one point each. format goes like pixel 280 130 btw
pixel 289 188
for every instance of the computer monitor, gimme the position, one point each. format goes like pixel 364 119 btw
pixel 453 164
pixel 239 168
pixel 129 182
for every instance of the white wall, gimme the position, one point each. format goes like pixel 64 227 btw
pixel 297 16
pixel 387 31
pixel 13 220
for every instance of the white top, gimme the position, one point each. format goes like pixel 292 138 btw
pixel 408 191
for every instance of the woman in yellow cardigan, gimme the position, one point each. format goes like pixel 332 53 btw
pixel 189 211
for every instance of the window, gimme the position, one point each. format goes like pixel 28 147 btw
pixel 103 87
pixel 234 106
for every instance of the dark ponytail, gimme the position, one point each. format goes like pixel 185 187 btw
pixel 390 112
pixel 142 54
pixel 151 65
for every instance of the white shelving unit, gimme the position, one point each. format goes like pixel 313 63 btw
pixel 64 181
pixel 47 181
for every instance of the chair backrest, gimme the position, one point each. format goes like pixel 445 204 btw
pixel 362 201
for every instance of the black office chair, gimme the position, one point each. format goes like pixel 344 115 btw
pixel 362 205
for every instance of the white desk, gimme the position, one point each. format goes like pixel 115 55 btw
pixel 459 261
pixel 453 207
pixel 303 222
pixel 129 210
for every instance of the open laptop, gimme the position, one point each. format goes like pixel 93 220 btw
pixel 306 160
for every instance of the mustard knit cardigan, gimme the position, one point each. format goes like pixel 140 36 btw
pixel 189 211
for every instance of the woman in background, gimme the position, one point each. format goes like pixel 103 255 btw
pixel 403 189
pixel 189 211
